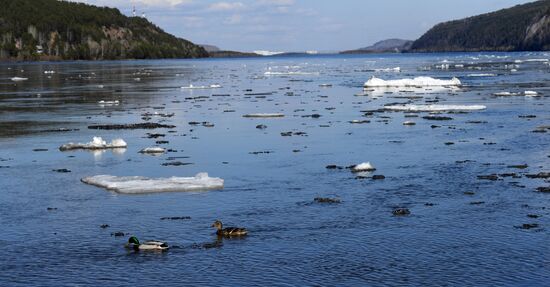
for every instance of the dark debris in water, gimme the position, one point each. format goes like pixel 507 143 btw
pixel 176 218
pixel 401 211
pixel 131 126
pixel 327 200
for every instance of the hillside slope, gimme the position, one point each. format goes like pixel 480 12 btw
pixel 521 28
pixel 51 29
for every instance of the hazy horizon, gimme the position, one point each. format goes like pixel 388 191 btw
pixel 300 25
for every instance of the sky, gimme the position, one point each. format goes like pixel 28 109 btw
pixel 301 25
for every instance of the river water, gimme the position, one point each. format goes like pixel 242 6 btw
pixel 461 230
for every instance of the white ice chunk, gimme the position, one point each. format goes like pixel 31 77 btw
pixel 434 108
pixel 505 94
pixel 416 82
pixel 103 102
pixel 192 87
pixel 95 144
pixel 290 73
pixel 366 166
pixel 19 79
pixel 530 93
pixel 482 75
pixel 264 115
pixel 152 150
pixel 140 184
pixel 396 69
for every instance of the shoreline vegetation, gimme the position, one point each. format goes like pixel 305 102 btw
pixel 51 30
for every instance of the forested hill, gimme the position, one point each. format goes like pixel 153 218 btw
pixel 521 28
pixel 52 29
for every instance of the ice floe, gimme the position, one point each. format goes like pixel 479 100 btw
pixel 482 75
pixel 530 93
pixel 396 70
pixel 416 82
pixel 291 73
pixel 504 94
pixel 153 150
pixel 192 87
pixel 19 79
pixel 365 166
pixel 140 184
pixel 95 144
pixel 102 102
pixel 264 115
pixel 434 108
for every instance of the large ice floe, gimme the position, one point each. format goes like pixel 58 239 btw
pixel 95 144
pixel 434 108
pixel 140 184
pixel 416 82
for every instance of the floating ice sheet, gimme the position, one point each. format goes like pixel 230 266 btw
pixel 153 150
pixel 95 144
pixel 140 184
pixel 264 115
pixel 19 79
pixel 416 82
pixel 434 108
pixel 192 87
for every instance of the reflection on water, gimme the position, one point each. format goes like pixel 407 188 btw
pixel 462 230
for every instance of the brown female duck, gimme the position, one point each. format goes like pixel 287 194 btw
pixel 228 231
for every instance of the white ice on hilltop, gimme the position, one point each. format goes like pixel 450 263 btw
pixel 434 108
pixel 140 184
pixel 264 115
pixel 366 166
pixel 96 143
pixel 19 79
pixel 416 82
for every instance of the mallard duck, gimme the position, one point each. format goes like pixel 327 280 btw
pixel 133 243
pixel 228 231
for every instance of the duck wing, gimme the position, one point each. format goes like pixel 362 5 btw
pixel 235 231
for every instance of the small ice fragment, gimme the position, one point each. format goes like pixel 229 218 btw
pixel 366 166
pixel 416 82
pixel 264 115
pixel 19 79
pixel 530 93
pixel 434 108
pixel 152 150
pixel 396 69
pixel 504 94
pixel 102 102
pixel 140 184
pixel 95 144
pixel 49 72
pixel 192 87
pixel 482 75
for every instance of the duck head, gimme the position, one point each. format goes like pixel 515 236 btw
pixel 218 225
pixel 133 240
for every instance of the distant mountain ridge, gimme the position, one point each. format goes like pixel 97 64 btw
pixel 61 30
pixel 520 28
pixel 385 46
